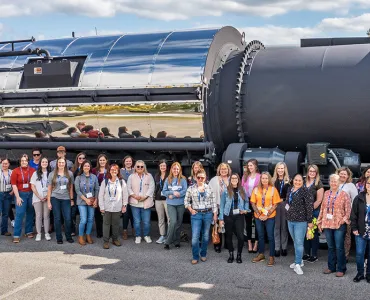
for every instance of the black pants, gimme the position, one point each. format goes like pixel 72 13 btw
pixel 98 222
pixel 127 217
pixel 11 212
pixel 248 226
pixel 234 224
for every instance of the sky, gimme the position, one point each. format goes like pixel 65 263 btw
pixel 273 22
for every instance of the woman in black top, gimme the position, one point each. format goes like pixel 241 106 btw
pixel 281 182
pixel 160 200
pixel 299 207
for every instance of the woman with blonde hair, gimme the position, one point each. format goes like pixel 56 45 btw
pixel 250 180
pixel 140 186
pixel 195 168
pixel 281 180
pixel 316 188
pixel 264 200
pixel 219 185
pixel 174 190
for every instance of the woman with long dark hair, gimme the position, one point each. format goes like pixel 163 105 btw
pixel 126 171
pixel 361 183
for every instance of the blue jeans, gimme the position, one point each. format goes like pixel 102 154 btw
pixel 360 255
pixel 60 207
pixel 5 202
pixel 141 215
pixel 336 253
pixel 25 209
pixel 200 222
pixel 86 219
pixel 270 228
pixel 298 231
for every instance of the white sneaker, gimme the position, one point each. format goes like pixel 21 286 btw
pixel 12 222
pixel 138 240
pixel 298 269
pixel 147 239
pixel 161 239
pixel 38 237
pixel 47 236
pixel 292 266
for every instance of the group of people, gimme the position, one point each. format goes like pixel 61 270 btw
pixel 49 193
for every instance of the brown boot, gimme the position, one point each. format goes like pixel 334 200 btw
pixel 106 245
pixel 125 235
pixel 81 240
pixel 271 261
pixel 116 243
pixel 258 258
pixel 89 239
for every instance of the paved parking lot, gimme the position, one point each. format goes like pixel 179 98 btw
pixel 45 270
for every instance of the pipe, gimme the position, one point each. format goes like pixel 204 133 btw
pixel 333 163
pixel 31 40
pixel 335 157
pixel 29 51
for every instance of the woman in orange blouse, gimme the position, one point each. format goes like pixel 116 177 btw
pixel 264 200
pixel 333 219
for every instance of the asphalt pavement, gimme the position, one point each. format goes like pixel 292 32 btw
pixel 45 270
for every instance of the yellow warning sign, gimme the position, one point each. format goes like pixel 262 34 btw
pixel 323 155
pixel 37 70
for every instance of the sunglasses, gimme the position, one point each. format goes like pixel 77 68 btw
pixel 36 154
pixel 139 167
pixel 201 178
pixel 81 157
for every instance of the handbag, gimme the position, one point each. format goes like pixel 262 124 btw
pixel 215 236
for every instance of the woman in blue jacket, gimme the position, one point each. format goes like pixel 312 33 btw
pixel 234 204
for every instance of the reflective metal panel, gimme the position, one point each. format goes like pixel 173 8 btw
pixel 131 60
pixel 182 58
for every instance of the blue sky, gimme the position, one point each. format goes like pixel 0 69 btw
pixel 271 21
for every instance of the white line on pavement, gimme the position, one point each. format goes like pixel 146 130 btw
pixel 22 287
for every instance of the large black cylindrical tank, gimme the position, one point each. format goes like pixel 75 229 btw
pixel 294 96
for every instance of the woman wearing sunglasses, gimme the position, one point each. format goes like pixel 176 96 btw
pixel 201 203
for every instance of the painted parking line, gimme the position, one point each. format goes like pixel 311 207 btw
pixel 22 287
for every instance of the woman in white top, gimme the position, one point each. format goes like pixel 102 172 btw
pixel 346 185
pixel 113 197
pixel 39 186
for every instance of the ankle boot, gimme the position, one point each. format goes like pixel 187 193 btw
pixel 81 240
pixel 239 258
pixel 231 257
pixel 89 239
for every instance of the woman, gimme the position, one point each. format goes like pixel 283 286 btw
pixel 234 204
pixel 60 198
pixel 195 168
pixel 316 188
pixel 264 200
pixel 219 185
pixel 174 190
pixel 20 180
pixel 126 171
pixel 113 198
pixel 100 171
pixel 360 185
pixel 299 208
pixel 87 190
pixel 6 195
pixel 160 200
pixel 39 186
pixel 333 219
pixel 281 182
pixel 200 202
pixel 360 224
pixel 140 186
pixel 251 179
pixel 346 185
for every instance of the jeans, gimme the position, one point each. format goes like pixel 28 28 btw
pixel 361 244
pixel 336 253
pixel 127 217
pixel 200 222
pixel 5 203
pixel 141 214
pixel 25 209
pixel 298 232
pixel 176 214
pixel 234 223
pixel 74 209
pixel 86 219
pixel 270 227
pixel 311 247
pixel 60 207
pixel 281 227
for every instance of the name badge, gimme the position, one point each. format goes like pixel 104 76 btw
pixel 89 195
pixel 202 206
pixel 112 198
pixel 287 206
pixel 264 211
pixel 329 216
pixel 63 187
pixel 44 191
pixel 8 187
pixel 236 211
pixel 26 185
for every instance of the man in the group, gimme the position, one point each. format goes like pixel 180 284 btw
pixel 61 153
pixel 34 162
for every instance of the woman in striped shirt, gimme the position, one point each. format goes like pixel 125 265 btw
pixel 6 195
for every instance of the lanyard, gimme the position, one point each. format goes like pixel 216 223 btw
pixel 264 197
pixel 105 172
pixel 28 170
pixel 308 187
pixel 342 186
pixel 89 186
pixel 4 178
pixel 43 181
pixel 201 195
pixel 60 180
pixel 281 186
pixel 292 194
pixel 115 189
pixel 160 183
pixel 127 173
pixel 141 182
pixel 333 202
pixel 224 186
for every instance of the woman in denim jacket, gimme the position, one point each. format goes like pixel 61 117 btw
pixel 234 204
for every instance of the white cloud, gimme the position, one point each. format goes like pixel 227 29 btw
pixel 352 24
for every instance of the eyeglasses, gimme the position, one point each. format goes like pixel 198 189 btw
pixel 234 178
pixel 139 167
pixel 81 157
pixel 367 183
pixel 201 178
pixel 36 154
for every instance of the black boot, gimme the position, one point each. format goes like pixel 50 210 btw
pixel 231 257
pixel 239 258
